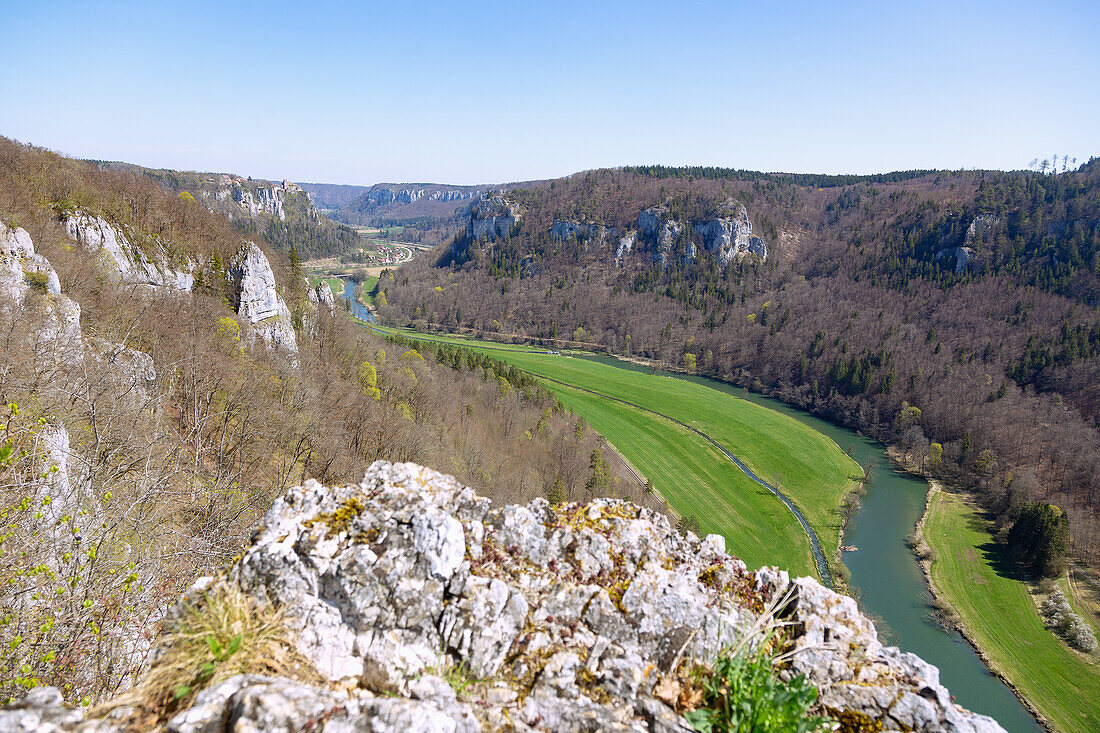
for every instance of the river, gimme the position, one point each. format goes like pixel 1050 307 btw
pixel 885 573
pixel 357 309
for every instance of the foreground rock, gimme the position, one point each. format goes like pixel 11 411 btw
pixel 428 609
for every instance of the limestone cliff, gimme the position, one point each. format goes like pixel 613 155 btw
pixel 730 236
pixel 29 286
pixel 257 299
pixel 575 617
pixel 572 229
pixel 130 263
pixel 493 218
pixel 966 255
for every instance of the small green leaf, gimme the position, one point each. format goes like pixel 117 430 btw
pixel 181 691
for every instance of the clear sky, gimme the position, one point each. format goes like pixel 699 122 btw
pixel 471 92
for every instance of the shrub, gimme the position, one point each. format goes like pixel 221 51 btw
pixel 744 695
pixel 1059 617
pixel 37 280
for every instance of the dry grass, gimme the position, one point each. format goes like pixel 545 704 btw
pixel 224 633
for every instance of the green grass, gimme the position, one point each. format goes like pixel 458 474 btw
pixel 695 478
pixel 809 467
pixel 368 289
pixel 1002 619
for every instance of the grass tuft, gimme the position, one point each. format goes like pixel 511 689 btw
pixel 224 633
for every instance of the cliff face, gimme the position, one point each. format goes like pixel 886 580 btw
pixel 258 300
pixel 493 218
pixel 575 617
pixel 29 286
pixel 728 236
pixel 130 263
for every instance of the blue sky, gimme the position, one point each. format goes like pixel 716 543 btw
pixel 502 91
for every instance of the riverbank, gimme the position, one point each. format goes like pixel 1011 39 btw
pixel 998 616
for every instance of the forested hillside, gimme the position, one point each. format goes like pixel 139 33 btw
pixel 280 212
pixel 163 380
pixel 951 313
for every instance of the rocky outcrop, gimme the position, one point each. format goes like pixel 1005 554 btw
pixel 19 264
pixel 966 255
pixel 131 263
pixel 268 200
pixel 571 229
pixel 579 617
pixel 24 272
pixel 257 299
pixel 129 372
pixel 625 246
pixel 730 237
pixel 322 295
pixel 384 195
pixel 660 232
pixel 493 218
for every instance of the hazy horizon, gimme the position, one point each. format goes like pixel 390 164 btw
pixel 498 92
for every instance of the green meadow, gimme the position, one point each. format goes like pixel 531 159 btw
pixel 691 474
pixel 997 609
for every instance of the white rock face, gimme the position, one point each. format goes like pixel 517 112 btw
pixel 132 264
pixel 322 294
pixel 271 201
pixel 58 337
pixel 661 233
pixel 572 618
pixel 965 255
pixel 730 237
pixel 258 301
pixel 626 246
pixel 570 229
pixel 17 260
pixel 130 373
pixel 493 218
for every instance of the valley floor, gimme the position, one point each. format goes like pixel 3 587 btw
pixel 999 613
pixel 691 474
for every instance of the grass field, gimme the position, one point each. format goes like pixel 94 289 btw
pixel 1000 615
pixel 809 467
pixel 695 478
pixel 368 289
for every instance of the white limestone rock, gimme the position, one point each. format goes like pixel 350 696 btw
pixel 258 301
pixel 660 232
pixel 18 260
pixel 966 255
pixel 132 265
pixel 625 246
pixel 571 229
pixel 322 295
pixel 564 618
pixel 493 218
pixel 57 337
pixel 730 237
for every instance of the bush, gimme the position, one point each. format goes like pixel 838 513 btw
pixel 37 280
pixel 1060 618
pixel 745 695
